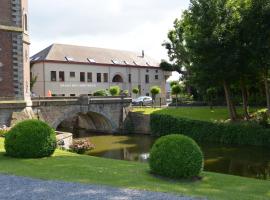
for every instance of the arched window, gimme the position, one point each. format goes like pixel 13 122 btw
pixel 117 79
pixel 25 22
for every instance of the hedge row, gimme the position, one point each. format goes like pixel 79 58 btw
pixel 241 133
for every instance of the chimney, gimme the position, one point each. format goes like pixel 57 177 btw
pixel 142 53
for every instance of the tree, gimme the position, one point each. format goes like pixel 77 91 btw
pixel 204 42
pixel 135 91
pixel 115 90
pixel 256 31
pixel 176 90
pixel 155 90
pixel 173 83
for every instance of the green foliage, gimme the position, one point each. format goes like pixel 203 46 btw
pixel 155 90
pixel 173 83
pixel 69 167
pixel 30 139
pixel 164 65
pixel 241 133
pixel 101 93
pixel 135 91
pixel 3 132
pixel 261 117
pixel 125 92
pixel 177 89
pixel 176 156
pixel 115 90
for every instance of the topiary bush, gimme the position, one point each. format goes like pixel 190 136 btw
pixel 30 139
pixel 176 156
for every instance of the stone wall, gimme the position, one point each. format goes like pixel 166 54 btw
pixel 137 123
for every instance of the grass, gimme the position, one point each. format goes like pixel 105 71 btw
pixel 195 113
pixel 70 167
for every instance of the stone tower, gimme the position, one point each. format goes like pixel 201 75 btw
pixel 14 50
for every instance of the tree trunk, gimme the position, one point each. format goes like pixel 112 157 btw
pixel 267 92
pixel 230 106
pixel 245 99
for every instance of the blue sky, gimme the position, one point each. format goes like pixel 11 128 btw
pixel 118 24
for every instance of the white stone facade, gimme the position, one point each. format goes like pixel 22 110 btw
pixel 132 77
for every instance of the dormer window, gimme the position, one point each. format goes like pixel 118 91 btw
pixel 147 63
pixel 91 60
pixel 126 62
pixel 36 58
pixel 69 58
pixel 115 62
pixel 134 63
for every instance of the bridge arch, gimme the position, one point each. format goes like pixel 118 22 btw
pixel 89 118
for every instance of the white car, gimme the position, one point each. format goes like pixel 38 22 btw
pixel 142 101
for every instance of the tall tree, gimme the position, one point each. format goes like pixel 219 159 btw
pixel 256 29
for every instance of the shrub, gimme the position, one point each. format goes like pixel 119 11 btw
pixel 30 139
pixel 240 133
pixel 101 93
pixel 176 156
pixel 115 90
pixel 81 146
pixel 261 117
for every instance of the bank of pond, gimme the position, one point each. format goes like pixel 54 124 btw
pixel 247 161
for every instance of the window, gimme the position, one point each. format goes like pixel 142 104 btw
pixel 72 74
pixel 89 77
pixel 129 78
pixel 147 70
pixel 117 79
pixel 72 95
pixel 156 77
pixel 146 78
pixel 61 76
pixel 53 75
pixel 147 94
pixel 99 77
pixel 82 76
pixel 156 70
pixel 105 77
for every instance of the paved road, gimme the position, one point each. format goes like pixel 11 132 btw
pixel 19 188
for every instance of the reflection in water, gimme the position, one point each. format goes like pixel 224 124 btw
pixel 244 161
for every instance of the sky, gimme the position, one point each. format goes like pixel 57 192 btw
pixel 133 25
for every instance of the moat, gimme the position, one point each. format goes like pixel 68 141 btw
pixel 245 161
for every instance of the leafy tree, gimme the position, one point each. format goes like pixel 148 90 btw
pixel 176 90
pixel 155 90
pixel 173 83
pixel 135 91
pixel 204 42
pixel 115 90
pixel 256 33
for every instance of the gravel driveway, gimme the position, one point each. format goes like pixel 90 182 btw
pixel 20 188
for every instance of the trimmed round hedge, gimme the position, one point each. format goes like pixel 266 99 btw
pixel 30 139
pixel 176 156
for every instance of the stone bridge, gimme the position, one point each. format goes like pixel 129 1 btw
pixel 101 113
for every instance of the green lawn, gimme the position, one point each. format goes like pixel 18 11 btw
pixel 196 113
pixel 66 166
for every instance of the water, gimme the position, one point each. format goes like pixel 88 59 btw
pixel 236 160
